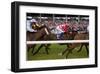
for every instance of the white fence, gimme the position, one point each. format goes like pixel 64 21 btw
pixel 59 41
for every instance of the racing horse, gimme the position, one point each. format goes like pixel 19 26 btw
pixel 72 46
pixel 75 35
pixel 41 34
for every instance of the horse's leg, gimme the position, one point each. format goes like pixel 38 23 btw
pixel 80 48
pixel 46 48
pixel 29 47
pixel 86 46
pixel 69 51
pixel 33 46
pixel 38 49
pixel 64 51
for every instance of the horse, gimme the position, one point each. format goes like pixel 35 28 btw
pixel 72 46
pixel 41 33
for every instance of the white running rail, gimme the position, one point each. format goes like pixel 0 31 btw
pixel 59 41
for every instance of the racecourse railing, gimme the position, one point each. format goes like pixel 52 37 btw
pixel 59 41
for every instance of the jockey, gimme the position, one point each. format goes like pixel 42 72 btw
pixel 61 29
pixel 32 25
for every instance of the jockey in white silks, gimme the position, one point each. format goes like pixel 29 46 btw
pixel 29 24
pixel 61 29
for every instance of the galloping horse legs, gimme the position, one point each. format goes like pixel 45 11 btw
pixel 38 49
pixel 65 50
pixel 86 46
pixel 46 48
pixel 29 47
pixel 69 51
pixel 33 46
pixel 80 48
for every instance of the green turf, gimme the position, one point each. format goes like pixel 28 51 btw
pixel 54 51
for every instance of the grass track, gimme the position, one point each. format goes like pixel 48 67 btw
pixel 54 50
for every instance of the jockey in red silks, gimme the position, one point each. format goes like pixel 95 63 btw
pixel 61 29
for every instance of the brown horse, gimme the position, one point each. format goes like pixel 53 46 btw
pixel 41 34
pixel 72 46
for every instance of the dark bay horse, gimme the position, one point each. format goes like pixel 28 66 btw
pixel 41 34
pixel 72 46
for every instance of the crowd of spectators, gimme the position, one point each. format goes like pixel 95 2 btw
pixel 76 24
